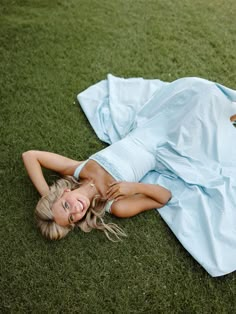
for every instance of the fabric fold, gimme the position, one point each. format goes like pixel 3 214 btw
pixel 185 131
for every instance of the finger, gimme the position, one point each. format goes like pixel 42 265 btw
pixel 113 188
pixel 119 198
pixel 112 193
pixel 115 196
pixel 114 183
pixel 109 190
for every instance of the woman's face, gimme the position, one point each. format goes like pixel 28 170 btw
pixel 70 207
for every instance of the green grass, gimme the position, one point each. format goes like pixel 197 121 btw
pixel 49 51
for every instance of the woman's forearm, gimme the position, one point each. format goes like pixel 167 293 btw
pixel 154 191
pixel 35 160
pixel 133 198
pixel 35 173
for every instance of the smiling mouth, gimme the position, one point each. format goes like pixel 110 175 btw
pixel 82 205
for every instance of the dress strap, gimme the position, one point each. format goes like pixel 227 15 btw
pixel 79 168
pixel 108 206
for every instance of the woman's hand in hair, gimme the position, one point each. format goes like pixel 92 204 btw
pixel 35 160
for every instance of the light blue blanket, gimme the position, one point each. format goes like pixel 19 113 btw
pixel 195 154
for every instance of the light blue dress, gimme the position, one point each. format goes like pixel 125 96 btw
pixel 177 135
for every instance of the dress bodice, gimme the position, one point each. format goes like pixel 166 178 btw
pixel 125 160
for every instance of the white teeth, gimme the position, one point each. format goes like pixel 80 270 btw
pixel 81 205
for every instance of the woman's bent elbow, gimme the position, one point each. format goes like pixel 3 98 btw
pixel 24 155
pixel 167 197
pixel 27 154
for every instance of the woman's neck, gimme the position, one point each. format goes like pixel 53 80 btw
pixel 88 188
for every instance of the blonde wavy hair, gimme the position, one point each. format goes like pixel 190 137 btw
pixel 92 220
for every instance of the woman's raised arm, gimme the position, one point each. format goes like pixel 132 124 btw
pixel 34 161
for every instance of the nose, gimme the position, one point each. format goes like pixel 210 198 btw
pixel 76 209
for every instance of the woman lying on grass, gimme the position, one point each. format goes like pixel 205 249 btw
pixel 164 137
pixel 69 203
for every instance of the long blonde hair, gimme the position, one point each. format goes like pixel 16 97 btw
pixel 92 220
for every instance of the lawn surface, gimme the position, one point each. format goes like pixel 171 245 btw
pixel 49 51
